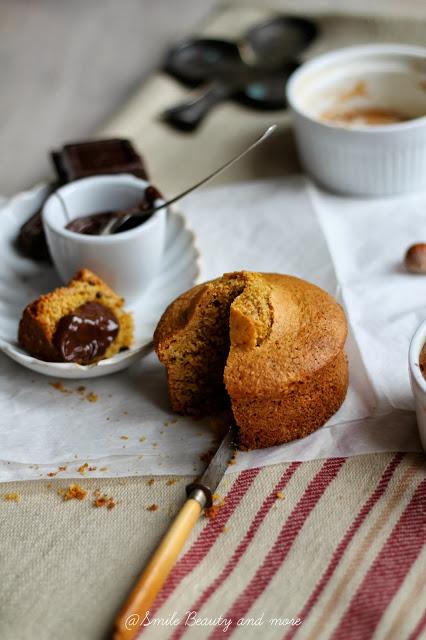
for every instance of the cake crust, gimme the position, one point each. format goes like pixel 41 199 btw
pixel 283 368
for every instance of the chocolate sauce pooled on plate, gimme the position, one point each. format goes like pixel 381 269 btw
pixel 94 223
pixel 86 333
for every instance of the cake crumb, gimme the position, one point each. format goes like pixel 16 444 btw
pixel 92 397
pixel 81 389
pixel 279 495
pixel 12 497
pixel 73 492
pixel 84 467
pixel 103 469
pixel 233 460
pixel 124 437
pixel 211 512
pixel 150 482
pixel 171 481
pixel 59 386
pixel 152 507
pixel 52 474
pixel 102 500
pixel 142 439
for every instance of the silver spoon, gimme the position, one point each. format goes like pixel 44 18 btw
pixel 122 216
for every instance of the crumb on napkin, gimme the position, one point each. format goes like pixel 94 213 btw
pixel 218 503
pixel 73 492
pixel 12 497
pixel 102 500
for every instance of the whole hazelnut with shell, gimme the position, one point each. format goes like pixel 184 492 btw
pixel 415 258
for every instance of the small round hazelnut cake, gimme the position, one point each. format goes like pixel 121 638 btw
pixel 270 344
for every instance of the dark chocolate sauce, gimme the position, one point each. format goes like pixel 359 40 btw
pixel 90 225
pixel 94 223
pixel 86 333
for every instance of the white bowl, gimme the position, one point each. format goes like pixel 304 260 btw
pixel 418 383
pixel 127 261
pixel 362 159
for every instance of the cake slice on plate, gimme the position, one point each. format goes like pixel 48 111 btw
pixel 83 323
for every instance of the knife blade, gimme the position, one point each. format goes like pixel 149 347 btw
pixel 216 468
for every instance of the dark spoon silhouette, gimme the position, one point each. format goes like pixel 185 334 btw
pixel 253 70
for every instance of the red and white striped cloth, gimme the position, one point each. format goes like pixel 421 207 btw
pixel 342 547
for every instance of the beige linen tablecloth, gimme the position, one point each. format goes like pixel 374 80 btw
pixel 338 543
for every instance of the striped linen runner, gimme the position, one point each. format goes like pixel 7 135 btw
pixel 339 544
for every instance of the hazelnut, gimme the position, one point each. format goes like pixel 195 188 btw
pixel 415 258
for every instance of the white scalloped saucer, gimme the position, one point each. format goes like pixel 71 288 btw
pixel 22 280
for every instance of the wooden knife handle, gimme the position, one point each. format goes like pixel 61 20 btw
pixel 131 616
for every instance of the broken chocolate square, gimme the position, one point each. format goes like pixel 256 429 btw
pixel 97 157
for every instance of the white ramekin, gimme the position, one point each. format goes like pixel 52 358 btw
pixel 362 160
pixel 418 383
pixel 127 261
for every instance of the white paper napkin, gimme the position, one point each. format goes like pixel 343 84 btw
pixel 264 226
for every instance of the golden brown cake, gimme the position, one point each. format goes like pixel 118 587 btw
pixel 272 344
pixel 83 322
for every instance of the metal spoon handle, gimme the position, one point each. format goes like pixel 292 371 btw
pixel 117 221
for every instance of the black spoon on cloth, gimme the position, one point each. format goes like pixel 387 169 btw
pixel 252 70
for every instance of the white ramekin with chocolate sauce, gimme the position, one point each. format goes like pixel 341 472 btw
pixel 128 259
pixel 359 116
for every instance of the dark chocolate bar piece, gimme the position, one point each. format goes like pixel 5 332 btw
pixel 31 240
pixel 97 157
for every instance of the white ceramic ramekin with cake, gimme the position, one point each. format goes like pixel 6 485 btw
pixel 360 118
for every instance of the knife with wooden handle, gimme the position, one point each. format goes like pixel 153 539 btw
pixel 199 495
